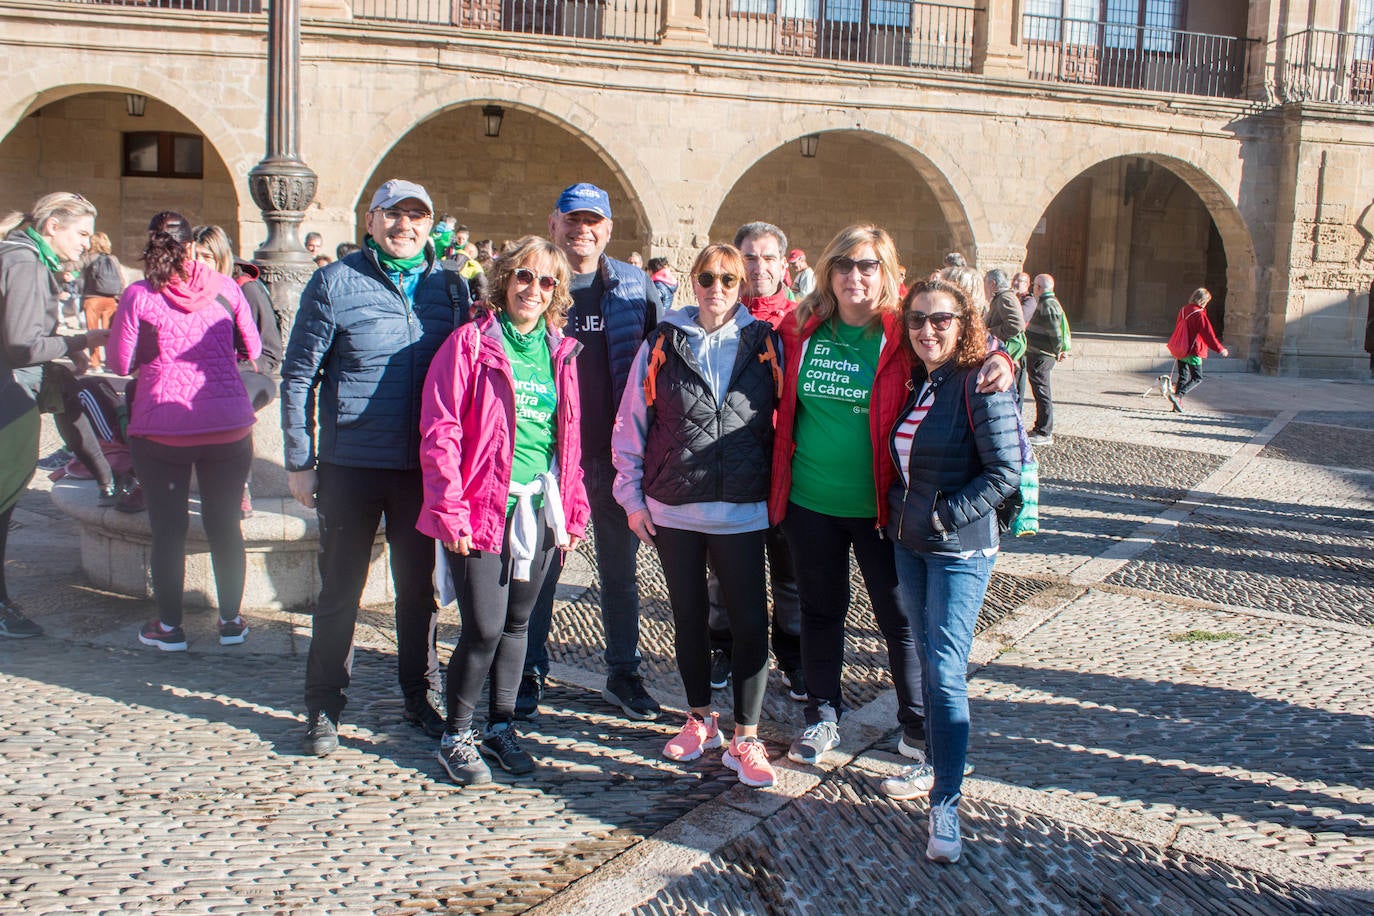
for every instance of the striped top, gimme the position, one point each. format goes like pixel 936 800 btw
pixel 906 430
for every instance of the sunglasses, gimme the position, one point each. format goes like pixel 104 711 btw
pixel 940 321
pixel 867 267
pixel 525 276
pixel 706 280
pixel 393 215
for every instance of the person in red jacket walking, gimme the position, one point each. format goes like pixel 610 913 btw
pixel 1198 336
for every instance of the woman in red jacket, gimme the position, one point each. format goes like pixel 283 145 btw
pixel 1199 335
pixel 501 458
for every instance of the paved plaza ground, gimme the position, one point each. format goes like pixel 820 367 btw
pixel 1171 714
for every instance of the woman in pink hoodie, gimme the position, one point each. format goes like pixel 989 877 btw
pixel 501 455
pixel 190 410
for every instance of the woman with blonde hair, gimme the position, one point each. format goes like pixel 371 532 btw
pixel 845 381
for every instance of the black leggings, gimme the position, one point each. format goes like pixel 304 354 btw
pixel 165 472
pixel 737 560
pixel 495 610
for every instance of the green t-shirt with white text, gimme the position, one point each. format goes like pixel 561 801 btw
pixel 536 401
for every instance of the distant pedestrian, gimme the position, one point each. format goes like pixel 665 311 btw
pixel 314 243
pixel 803 277
pixel 1045 348
pixel 635 260
pixel 1193 334
pixel 661 275
pixel 102 282
pixel 1003 316
pixel 1021 287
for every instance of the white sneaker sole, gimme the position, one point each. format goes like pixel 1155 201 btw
pixel 234 640
pixel 732 763
pixel 625 708
pixel 944 857
pixel 164 646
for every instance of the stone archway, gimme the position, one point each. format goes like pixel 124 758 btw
pixel 72 139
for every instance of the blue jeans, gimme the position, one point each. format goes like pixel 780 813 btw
pixel 943 596
pixel 616 551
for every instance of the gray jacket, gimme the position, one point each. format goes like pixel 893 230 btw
pixel 28 325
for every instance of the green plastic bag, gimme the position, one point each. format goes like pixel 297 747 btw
pixel 1027 521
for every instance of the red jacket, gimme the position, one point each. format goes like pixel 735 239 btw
pixel 772 309
pixel 467 429
pixel 1200 332
pixel 886 398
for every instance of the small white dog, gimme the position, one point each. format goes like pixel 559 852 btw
pixel 1160 386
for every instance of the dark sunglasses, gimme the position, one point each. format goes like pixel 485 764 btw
pixel 868 266
pixel 940 321
pixel 526 276
pixel 706 280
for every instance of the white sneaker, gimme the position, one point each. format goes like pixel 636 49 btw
pixel 912 782
pixel 945 843
pixel 810 746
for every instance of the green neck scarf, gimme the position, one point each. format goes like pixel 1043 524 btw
pixel 44 250
pixel 521 343
pixel 396 265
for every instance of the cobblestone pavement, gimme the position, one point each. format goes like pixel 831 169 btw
pixel 1170 714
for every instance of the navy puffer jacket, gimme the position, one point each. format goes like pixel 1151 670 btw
pixel 357 360
pixel 964 472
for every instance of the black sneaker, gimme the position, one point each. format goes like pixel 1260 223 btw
pixel 720 669
pixel 627 691
pixel 529 696
pixel 502 747
pixel 322 733
pixel 458 753
pixel 795 682
pixel 14 624
pixel 425 717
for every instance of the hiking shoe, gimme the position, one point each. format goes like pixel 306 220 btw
pixel 627 691
pixel 529 696
pixel 233 632
pixel 168 639
pixel 749 759
pixel 811 745
pixel 795 682
pixel 420 713
pixel 321 733
pixel 944 844
pixel 720 669
pixel 696 736
pixel 502 747
pixel 1038 438
pixel 14 624
pixel 458 753
pixel 107 496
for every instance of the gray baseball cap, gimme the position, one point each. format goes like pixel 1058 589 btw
pixel 397 190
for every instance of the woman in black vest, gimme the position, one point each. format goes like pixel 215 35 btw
pixel 691 451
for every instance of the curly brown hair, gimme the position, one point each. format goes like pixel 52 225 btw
pixel 525 251
pixel 971 347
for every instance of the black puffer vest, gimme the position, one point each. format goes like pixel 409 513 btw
pixel 696 450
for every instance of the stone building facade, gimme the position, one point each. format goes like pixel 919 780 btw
pixel 1225 144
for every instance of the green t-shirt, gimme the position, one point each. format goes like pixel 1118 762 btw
pixel 536 401
pixel 832 468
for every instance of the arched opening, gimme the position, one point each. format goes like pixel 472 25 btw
pixel 1127 241
pixel 129 154
pixel 853 177
pixel 505 186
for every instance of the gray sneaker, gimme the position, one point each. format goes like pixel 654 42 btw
pixel 945 843
pixel 913 781
pixel 459 755
pixel 810 746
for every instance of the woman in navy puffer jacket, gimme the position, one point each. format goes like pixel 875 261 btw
pixel 958 457
pixel 176 329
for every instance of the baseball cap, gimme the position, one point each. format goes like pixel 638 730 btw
pixel 397 190
pixel 795 253
pixel 584 196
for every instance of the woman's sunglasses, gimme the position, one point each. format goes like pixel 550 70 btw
pixel 706 280
pixel 940 321
pixel 525 276
pixel 867 267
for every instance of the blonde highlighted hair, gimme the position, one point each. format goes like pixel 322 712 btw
pixel 63 206
pixel 525 251
pixel 821 302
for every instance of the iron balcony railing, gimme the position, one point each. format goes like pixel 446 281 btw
pixel 208 6
pixel 1324 66
pixel 622 20
pixel 893 32
pixel 1099 53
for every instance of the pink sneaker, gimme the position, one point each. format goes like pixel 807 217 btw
pixel 749 759
pixel 695 737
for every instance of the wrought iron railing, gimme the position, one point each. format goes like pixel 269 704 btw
pixel 623 20
pixel 1131 57
pixel 894 32
pixel 207 6
pixel 1324 66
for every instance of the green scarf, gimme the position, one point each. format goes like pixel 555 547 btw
pixel 44 250
pixel 521 343
pixel 396 265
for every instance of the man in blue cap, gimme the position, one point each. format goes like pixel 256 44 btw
pixel 614 309
pixel 367 329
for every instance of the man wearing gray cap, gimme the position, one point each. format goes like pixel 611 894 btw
pixel 367 328
pixel 614 309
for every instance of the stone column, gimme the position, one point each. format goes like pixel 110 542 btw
pixel 282 185
pixel 684 24
pixel 997 47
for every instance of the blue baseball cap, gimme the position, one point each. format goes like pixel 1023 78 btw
pixel 584 196
pixel 397 190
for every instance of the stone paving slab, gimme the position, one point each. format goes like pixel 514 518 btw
pixel 1324 444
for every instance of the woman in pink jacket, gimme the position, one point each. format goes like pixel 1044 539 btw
pixel 190 410
pixel 501 458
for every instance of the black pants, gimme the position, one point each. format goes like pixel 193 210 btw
pixel 350 503
pixel 1039 366
pixel 165 472
pixel 74 426
pixel 1189 376
pixel 786 628
pixel 820 549
pixel 496 615
pixel 737 560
